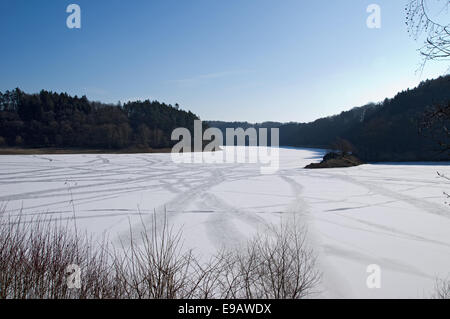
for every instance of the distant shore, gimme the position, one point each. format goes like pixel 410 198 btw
pixel 50 151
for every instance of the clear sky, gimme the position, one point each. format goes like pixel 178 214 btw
pixel 254 60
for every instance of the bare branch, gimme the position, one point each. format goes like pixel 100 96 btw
pixel 419 21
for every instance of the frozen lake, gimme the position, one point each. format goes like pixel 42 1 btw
pixel 392 215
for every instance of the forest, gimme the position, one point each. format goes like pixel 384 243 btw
pixel 392 130
pixel 57 120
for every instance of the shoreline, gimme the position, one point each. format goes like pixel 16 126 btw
pixel 75 151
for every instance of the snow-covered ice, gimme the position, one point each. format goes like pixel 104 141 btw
pixel 392 215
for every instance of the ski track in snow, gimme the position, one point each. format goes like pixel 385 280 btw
pixel 391 215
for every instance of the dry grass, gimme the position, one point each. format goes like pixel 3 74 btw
pixel 274 265
pixel 60 151
pixel 35 254
pixel 442 289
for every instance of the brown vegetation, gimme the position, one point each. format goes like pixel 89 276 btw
pixel 35 255
pixel 442 289
pixel 49 151
pixel 335 160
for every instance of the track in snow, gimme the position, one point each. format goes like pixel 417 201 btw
pixel 390 215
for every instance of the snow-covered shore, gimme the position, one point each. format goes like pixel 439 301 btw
pixel 392 215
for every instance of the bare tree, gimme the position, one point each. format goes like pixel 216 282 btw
pixel 35 253
pixel 436 125
pixel 154 266
pixel 343 146
pixel 420 20
pixel 445 193
pixel 274 265
pixel 442 289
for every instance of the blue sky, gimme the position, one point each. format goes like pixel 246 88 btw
pixel 254 60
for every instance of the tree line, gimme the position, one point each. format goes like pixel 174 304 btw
pixel 49 119
pixel 392 130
